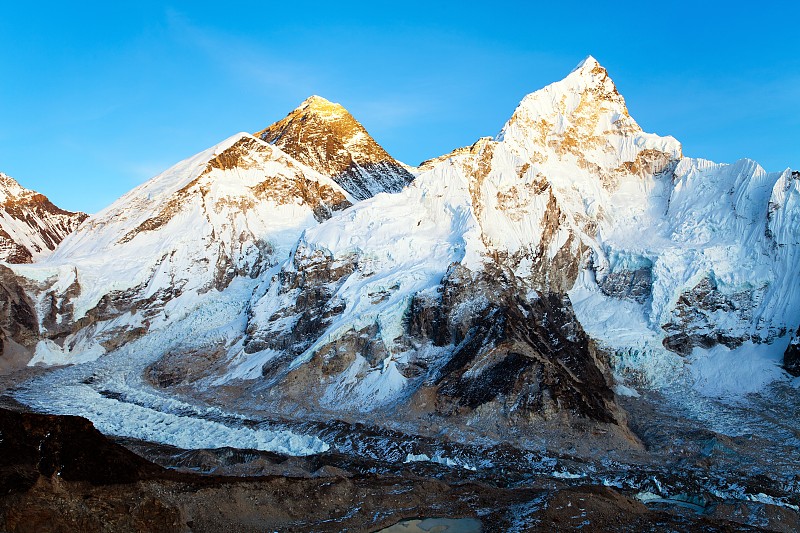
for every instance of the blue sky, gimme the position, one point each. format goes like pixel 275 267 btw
pixel 96 98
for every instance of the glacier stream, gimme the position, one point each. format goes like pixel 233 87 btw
pixel 112 393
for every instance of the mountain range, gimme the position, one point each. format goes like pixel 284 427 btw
pixel 532 281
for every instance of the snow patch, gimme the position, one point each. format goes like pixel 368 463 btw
pixel 439 459
pixel 721 371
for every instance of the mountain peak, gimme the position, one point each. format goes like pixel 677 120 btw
pixel 589 74
pixel 320 106
pixel 10 188
pixel 316 99
pixel 582 117
pixel 588 64
pixel 586 98
pixel 326 137
pixel 30 225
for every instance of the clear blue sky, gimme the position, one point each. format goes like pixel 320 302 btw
pixel 95 99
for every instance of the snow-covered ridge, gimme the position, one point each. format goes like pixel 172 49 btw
pixel 30 225
pixel 232 210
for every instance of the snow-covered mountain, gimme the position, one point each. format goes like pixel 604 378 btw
pixel 516 281
pixel 449 289
pixel 30 225
pixel 456 287
pixel 234 210
pixel 324 136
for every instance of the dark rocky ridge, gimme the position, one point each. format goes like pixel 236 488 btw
pixel 19 327
pixel 530 356
pixel 59 474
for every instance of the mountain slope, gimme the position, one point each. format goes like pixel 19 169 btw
pixel 232 211
pixel 455 288
pixel 447 290
pixel 324 136
pixel 30 225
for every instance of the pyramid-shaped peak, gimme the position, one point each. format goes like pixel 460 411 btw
pixel 318 101
pixel 320 106
pixel 588 85
pixel 587 75
pixel 589 64
pixel 326 137
pixel 315 123
pixel 581 114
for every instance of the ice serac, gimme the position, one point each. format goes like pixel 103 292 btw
pixel 232 211
pixel 324 136
pixel 30 225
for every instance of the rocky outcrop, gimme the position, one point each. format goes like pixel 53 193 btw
pixel 696 318
pixel 19 326
pixel 30 225
pixel 65 446
pixel 526 357
pixel 791 357
pixel 636 285
pixel 301 303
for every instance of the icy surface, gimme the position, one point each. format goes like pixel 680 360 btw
pixel 439 459
pixel 112 394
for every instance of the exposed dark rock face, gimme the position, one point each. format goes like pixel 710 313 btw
pixel 60 325
pixel 19 327
pixel 12 251
pixel 636 285
pixel 693 323
pixel 303 295
pixel 58 473
pixel 65 446
pixel 791 357
pixel 529 358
